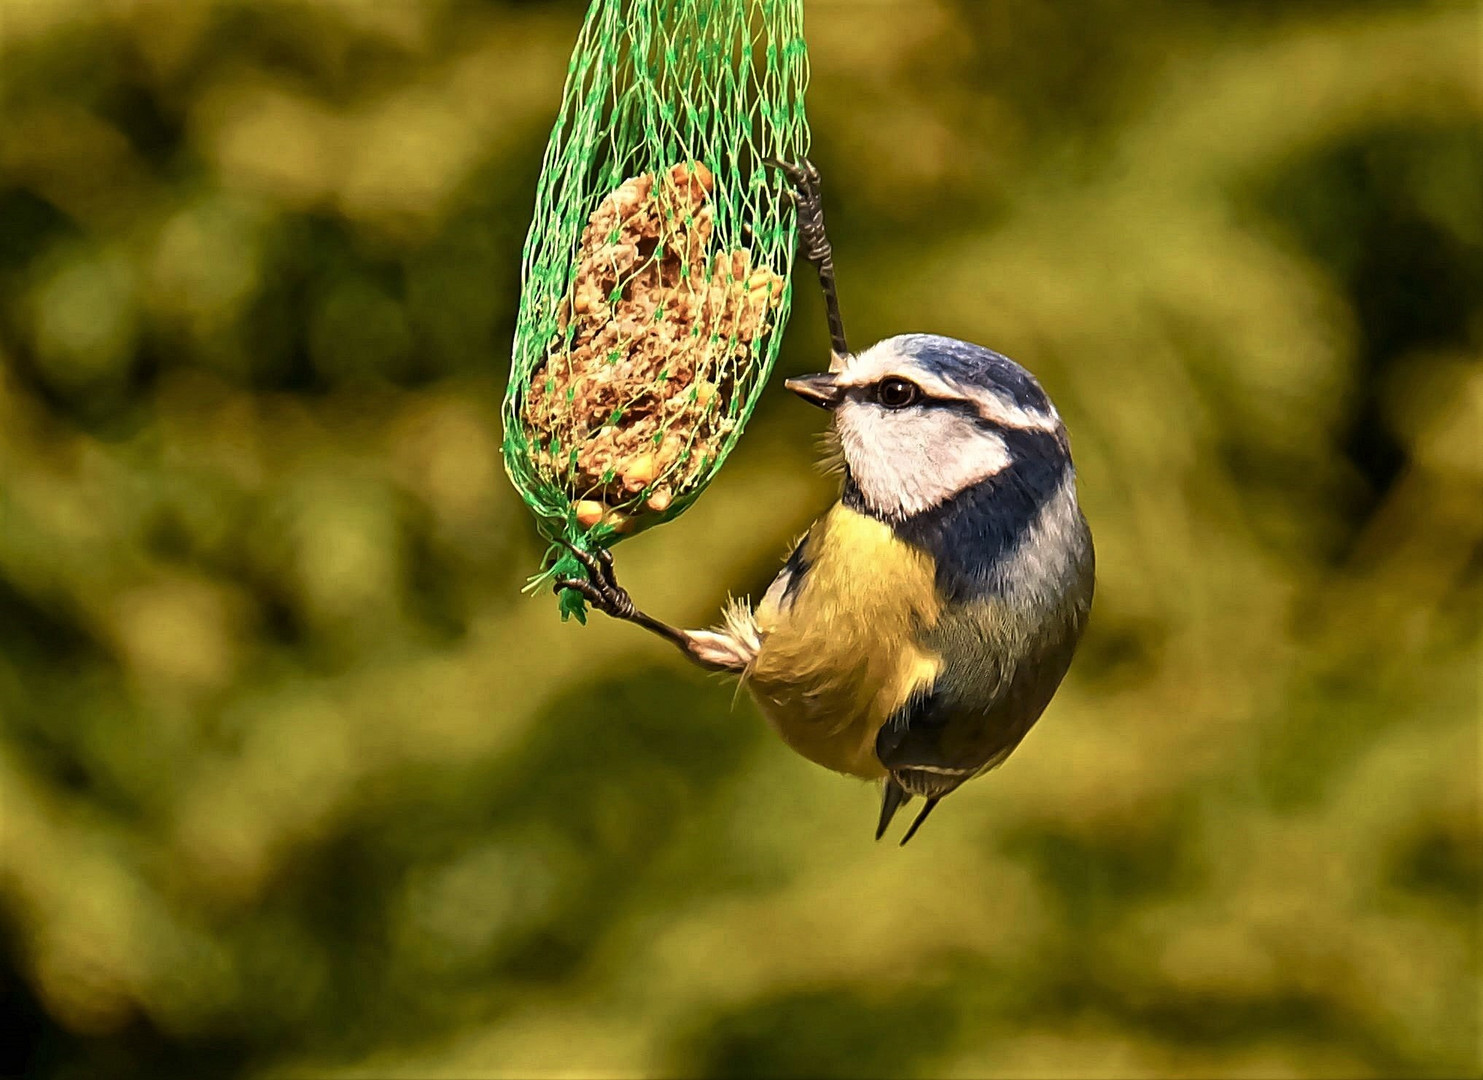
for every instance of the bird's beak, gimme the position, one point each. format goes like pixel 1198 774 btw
pixel 822 389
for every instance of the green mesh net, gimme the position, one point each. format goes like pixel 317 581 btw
pixel 657 271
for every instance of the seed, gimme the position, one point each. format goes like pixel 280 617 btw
pixel 639 472
pixel 589 513
pixel 660 500
pixel 760 281
pixel 589 298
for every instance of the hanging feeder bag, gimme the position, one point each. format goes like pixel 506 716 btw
pixel 658 265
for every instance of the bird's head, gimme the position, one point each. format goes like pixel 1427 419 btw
pixel 921 418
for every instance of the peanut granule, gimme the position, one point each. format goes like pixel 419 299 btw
pixel 632 411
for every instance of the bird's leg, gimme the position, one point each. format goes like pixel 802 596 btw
pixel 813 243
pixel 601 589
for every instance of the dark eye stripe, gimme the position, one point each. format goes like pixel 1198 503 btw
pixel 964 407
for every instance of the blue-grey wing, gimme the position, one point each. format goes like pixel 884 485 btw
pixel 784 587
pixel 982 704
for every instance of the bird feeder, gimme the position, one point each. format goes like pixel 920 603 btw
pixel 657 270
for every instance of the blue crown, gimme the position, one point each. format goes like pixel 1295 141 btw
pixel 972 365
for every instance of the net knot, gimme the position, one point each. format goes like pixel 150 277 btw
pixel 571 603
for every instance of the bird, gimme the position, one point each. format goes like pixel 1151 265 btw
pixel 923 623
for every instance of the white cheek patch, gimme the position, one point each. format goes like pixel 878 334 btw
pixel 910 461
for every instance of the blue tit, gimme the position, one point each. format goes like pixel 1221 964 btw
pixel 922 624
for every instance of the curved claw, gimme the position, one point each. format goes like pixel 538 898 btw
pixel 609 599
pixel 580 585
pixel 599 564
pixel 801 174
pixel 605 566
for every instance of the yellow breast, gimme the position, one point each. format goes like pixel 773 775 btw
pixel 838 660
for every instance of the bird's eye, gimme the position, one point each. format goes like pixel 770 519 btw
pixel 897 393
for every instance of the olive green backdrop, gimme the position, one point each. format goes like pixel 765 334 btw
pixel 295 783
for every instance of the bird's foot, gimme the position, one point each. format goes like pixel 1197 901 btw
pixel 813 242
pixel 600 587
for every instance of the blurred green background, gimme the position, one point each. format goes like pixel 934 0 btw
pixel 297 783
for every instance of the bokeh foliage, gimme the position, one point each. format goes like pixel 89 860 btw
pixel 295 782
